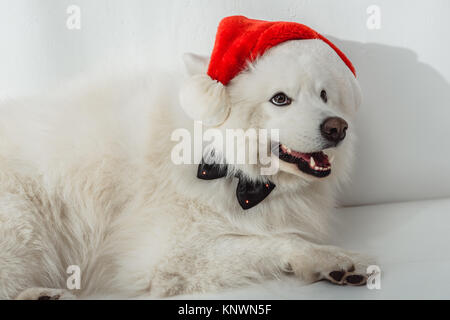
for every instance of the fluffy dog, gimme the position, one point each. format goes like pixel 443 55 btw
pixel 87 179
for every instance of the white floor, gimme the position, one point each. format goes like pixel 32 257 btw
pixel 411 242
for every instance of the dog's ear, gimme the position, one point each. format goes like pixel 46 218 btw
pixel 201 97
pixel 195 63
pixel 357 93
pixel 352 94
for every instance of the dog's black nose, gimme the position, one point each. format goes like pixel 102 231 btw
pixel 333 129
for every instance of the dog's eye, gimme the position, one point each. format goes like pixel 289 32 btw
pixel 323 96
pixel 281 99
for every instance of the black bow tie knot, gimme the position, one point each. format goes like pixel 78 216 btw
pixel 249 193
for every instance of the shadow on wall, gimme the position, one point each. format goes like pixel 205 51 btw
pixel 403 126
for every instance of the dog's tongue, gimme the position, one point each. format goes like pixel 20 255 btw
pixel 320 158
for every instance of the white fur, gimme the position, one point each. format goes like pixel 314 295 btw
pixel 205 99
pixel 86 179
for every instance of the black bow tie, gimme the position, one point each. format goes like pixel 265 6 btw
pixel 248 193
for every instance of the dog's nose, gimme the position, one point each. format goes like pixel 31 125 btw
pixel 333 129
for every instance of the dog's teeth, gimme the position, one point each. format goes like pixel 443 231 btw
pixel 312 163
pixel 316 168
pixel 288 150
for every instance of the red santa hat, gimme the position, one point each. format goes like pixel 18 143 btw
pixel 239 40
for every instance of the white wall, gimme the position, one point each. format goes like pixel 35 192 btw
pixel 404 67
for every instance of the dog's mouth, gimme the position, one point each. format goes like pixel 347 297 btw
pixel 315 163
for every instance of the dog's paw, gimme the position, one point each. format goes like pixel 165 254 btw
pixel 45 294
pixel 344 267
pixel 335 265
pixel 351 277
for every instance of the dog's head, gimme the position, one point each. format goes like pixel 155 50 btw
pixel 300 87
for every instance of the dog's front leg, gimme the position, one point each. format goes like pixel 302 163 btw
pixel 231 261
pixel 312 262
pixel 309 261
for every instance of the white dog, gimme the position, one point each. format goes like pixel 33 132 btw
pixel 86 179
